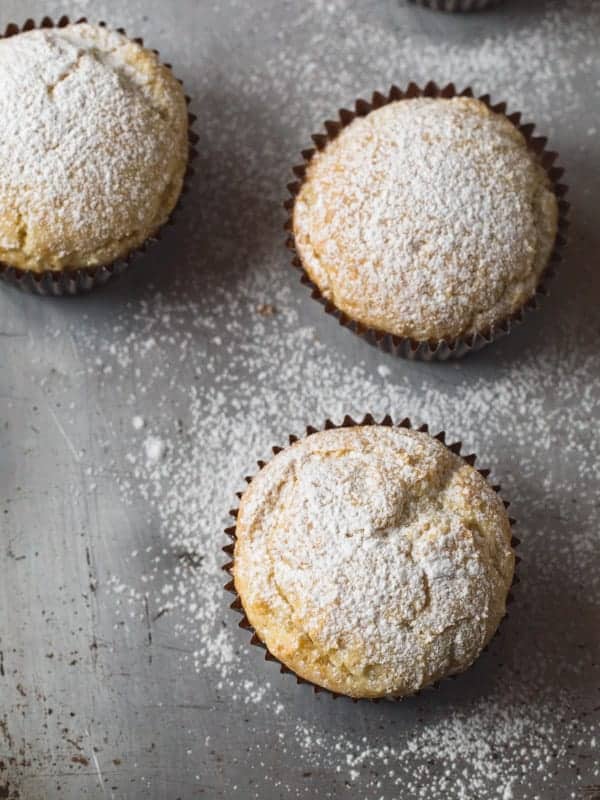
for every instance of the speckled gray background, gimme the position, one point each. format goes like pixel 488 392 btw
pixel 96 702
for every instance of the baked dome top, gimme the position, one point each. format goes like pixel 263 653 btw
pixel 429 218
pixel 93 149
pixel 372 560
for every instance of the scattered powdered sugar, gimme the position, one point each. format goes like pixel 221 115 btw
pixel 218 382
pixel 266 380
pixel 154 448
pixel 508 794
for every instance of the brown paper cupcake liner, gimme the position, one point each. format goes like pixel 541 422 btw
pixel 69 282
pixel 348 422
pixel 457 5
pixel 436 350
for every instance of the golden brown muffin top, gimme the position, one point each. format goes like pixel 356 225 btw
pixel 93 148
pixel 428 218
pixel 372 560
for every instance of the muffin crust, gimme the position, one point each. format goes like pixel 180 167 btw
pixel 429 219
pixel 94 147
pixel 372 561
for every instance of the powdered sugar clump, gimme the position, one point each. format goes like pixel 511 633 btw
pixel 154 448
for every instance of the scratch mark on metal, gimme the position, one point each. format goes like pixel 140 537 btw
pixel 91 576
pixel 96 762
pixel 149 626
pixel 94 652
pixel 63 432
pixel 74 743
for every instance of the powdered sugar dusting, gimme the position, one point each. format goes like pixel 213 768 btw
pixel 372 561
pixel 212 436
pixel 219 383
pixel 428 218
pixel 93 135
pixel 270 376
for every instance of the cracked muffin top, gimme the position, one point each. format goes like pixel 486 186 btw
pixel 372 560
pixel 429 219
pixel 93 149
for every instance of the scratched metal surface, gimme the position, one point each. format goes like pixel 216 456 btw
pixel 86 709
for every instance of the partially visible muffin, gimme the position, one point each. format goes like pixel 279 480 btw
pixel 457 5
pixel 93 150
pixel 372 561
pixel 428 219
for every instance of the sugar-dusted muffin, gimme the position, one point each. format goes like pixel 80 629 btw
pixel 93 150
pixel 428 218
pixel 372 560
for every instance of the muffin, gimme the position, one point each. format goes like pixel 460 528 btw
pixel 94 148
pixel 457 5
pixel 372 561
pixel 427 219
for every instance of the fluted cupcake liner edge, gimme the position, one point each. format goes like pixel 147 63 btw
pixel 71 282
pixel 349 422
pixel 457 5
pixel 442 349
